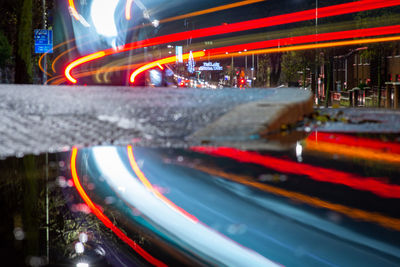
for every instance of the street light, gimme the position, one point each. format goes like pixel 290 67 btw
pixel 79 248
pixel 155 23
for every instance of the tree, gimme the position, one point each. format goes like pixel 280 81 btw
pixel 5 53
pixel 291 65
pixel 329 54
pixel 263 64
pixel 377 54
pixel 5 50
pixel 275 74
pixel 23 55
pixel 269 69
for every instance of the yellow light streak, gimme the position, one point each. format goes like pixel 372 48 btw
pixel 79 62
pixel 73 9
pixel 128 9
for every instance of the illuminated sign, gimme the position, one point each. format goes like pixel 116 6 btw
pixel 210 66
pixel 43 41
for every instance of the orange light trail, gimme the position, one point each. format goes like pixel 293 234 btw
pixel 53 67
pixel 104 219
pixel 355 149
pixel 324 12
pixel 351 151
pixel 150 187
pixel 56 80
pixel 128 9
pixel 162 62
pixel 374 217
pixel 211 10
pixel 40 65
pixel 320 174
pixel 351 140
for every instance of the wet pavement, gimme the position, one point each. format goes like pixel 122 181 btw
pixel 360 120
pixel 328 199
pixel 36 119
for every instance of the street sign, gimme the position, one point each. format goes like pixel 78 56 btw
pixel 43 41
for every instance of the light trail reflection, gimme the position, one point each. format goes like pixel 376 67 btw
pixel 369 184
pixel 374 217
pixel 175 223
pixel 249 226
pixel 351 146
pixel 150 187
pixel 104 219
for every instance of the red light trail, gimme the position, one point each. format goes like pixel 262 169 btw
pixel 307 46
pixel 104 219
pixel 355 141
pixel 309 39
pixel 335 10
pixel 351 146
pixel 284 41
pixel 316 173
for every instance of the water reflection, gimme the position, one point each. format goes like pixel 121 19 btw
pixel 306 206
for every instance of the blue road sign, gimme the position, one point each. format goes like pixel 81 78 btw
pixel 43 41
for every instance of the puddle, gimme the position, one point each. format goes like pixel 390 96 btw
pixel 330 199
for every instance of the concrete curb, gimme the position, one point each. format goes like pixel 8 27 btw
pixel 249 121
pixel 36 119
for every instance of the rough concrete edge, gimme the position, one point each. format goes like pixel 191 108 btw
pixel 290 114
pixel 285 112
